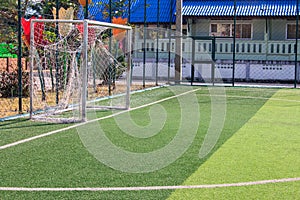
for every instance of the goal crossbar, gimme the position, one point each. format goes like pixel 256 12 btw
pixel 105 24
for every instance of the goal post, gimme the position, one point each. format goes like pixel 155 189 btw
pixel 77 65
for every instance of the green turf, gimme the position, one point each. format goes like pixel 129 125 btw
pixel 267 147
pixel 22 128
pixel 287 191
pixel 61 160
pixel 15 130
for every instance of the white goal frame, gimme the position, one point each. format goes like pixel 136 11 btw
pixel 84 65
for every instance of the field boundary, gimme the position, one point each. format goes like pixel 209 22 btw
pixel 172 187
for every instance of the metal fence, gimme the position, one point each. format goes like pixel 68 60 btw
pixel 238 43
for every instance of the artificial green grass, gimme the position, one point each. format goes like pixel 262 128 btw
pixel 265 148
pixel 61 160
pixel 287 191
pixel 18 129
pixel 22 128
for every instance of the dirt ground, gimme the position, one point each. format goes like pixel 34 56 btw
pixel 10 106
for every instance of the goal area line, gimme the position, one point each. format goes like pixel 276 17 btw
pixel 141 188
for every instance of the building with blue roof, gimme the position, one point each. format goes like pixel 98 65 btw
pixel 265 32
pixel 245 8
pixel 205 18
pixel 195 8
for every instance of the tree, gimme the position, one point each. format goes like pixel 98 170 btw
pixel 9 16
pixel 8 22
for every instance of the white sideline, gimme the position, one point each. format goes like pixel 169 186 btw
pixel 253 97
pixel 172 187
pixel 94 120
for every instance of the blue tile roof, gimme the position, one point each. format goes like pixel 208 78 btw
pixel 244 8
pixel 136 11
pixel 206 8
pixel 96 9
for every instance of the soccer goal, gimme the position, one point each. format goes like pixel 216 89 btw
pixel 76 65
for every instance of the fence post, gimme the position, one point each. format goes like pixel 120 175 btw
pixel 19 57
pixel 144 48
pixel 178 39
pixel 296 44
pixel 157 42
pixel 170 41
pixel 234 41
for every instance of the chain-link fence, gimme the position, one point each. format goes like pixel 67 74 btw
pixel 247 42
pixel 235 42
pixel 10 99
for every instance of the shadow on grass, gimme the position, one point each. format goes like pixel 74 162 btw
pixel 23 123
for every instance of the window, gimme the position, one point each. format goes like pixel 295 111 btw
pixel 246 30
pixel 291 31
pixel 242 30
pixel 214 28
pixel 226 30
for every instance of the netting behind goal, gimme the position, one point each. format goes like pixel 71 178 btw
pixel 78 65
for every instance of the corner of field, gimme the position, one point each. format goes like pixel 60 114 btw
pixel 265 148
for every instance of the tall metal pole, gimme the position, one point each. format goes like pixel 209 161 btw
pixel 110 76
pixel 131 47
pixel 56 54
pixel 129 10
pixel 178 49
pixel 110 20
pixel 170 41
pixel 144 50
pixel 296 45
pixel 233 48
pixel 157 42
pixel 86 12
pixel 19 57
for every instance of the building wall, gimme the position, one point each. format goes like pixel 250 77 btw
pixel 276 27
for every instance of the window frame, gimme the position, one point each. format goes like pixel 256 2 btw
pixel 231 29
pixel 286 31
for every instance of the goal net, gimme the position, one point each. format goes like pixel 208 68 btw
pixel 77 65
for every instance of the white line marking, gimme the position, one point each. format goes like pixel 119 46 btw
pixel 252 97
pixel 94 120
pixel 121 112
pixel 172 187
